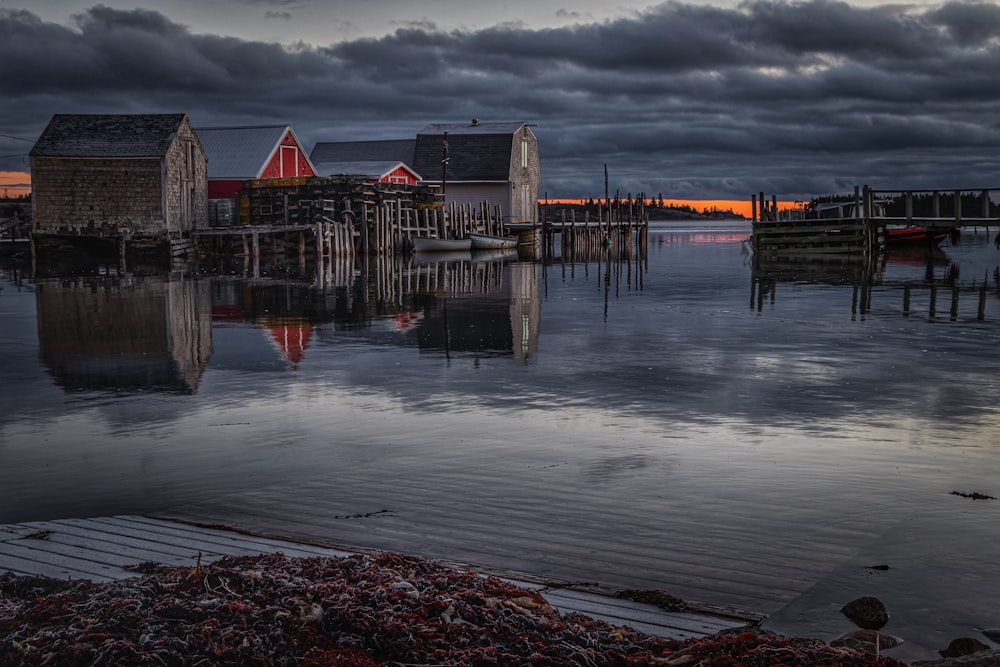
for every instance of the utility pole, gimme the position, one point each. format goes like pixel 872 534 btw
pixel 444 165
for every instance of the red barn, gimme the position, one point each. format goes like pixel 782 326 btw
pixel 237 154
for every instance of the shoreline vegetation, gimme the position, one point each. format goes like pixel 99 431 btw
pixel 655 208
pixel 359 611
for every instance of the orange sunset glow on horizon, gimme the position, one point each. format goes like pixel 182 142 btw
pixel 742 207
pixel 14 183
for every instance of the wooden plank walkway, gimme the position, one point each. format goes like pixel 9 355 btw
pixel 707 549
pixel 100 549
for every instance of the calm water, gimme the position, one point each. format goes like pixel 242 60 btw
pixel 748 436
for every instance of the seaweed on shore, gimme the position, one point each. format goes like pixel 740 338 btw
pixel 361 611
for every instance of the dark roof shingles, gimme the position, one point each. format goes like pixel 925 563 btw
pixel 471 156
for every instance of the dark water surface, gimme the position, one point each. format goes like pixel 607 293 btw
pixel 755 437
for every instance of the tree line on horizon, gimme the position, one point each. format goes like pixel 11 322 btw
pixel 641 200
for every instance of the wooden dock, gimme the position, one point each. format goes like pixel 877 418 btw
pixel 857 225
pixel 101 549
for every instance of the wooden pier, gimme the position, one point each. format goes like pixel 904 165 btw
pixel 324 217
pixel 105 549
pixel 858 225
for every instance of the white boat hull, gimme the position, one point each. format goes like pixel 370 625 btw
pixel 490 242
pixel 424 244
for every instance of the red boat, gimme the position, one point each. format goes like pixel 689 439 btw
pixel 913 236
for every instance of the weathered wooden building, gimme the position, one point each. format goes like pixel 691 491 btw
pixel 238 154
pixel 137 179
pixel 387 161
pixel 483 161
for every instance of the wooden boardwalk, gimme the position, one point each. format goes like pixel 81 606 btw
pixel 100 549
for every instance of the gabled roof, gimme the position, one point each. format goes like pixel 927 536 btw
pixel 242 152
pixel 373 169
pixel 394 150
pixel 108 135
pixel 475 127
pixel 477 152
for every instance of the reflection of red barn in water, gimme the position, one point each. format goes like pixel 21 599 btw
pixel 290 336
pixel 239 303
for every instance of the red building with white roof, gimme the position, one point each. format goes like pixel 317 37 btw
pixel 237 154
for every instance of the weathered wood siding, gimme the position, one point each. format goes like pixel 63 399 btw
pixel 525 176
pixel 74 195
pixel 186 178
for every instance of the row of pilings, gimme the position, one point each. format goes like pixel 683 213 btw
pixel 619 223
pixel 329 217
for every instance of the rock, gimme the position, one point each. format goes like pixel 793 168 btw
pixel 963 646
pixel 854 643
pixel 865 640
pixel 661 599
pixel 866 612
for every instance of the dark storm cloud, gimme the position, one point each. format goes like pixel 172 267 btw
pixel 290 4
pixel 688 100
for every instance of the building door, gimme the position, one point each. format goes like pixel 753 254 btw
pixel 289 161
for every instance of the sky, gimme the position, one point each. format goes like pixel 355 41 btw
pixel 687 100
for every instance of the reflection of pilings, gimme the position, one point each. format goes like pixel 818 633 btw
pixel 861 300
pixel 954 302
pixel 334 271
pixel 454 276
pixel 863 295
pixel 626 264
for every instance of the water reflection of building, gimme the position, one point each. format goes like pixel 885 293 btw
pixel 484 308
pixel 285 310
pixel 291 337
pixel 525 309
pixel 124 333
pixel 477 304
